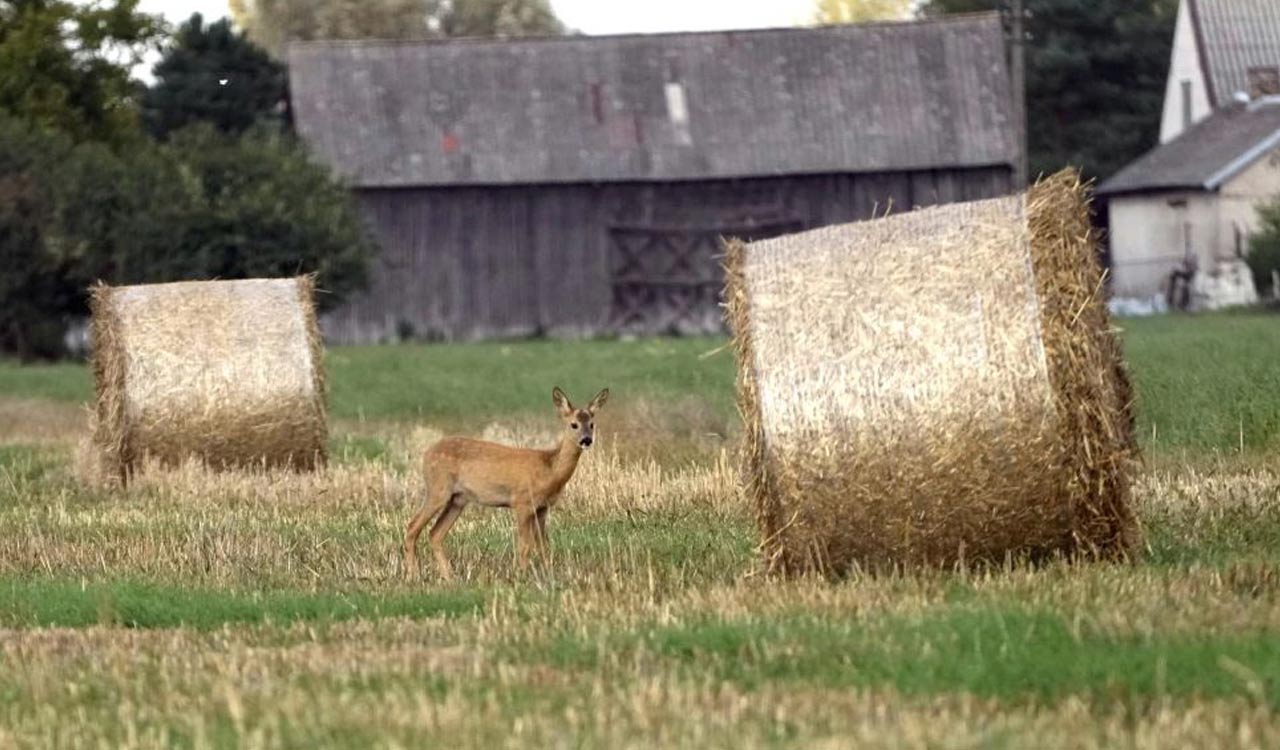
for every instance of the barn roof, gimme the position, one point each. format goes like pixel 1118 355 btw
pixel 1208 154
pixel 879 97
pixel 1234 37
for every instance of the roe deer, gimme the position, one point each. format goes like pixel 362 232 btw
pixel 460 471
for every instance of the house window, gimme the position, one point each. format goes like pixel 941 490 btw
pixel 1264 80
pixel 1186 104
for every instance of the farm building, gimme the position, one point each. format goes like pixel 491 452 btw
pixel 580 185
pixel 1221 48
pixel 1191 204
pixel 1180 216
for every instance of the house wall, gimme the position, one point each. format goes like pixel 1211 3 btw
pixel 511 261
pixel 1184 66
pixel 1241 197
pixel 1149 238
pixel 1150 233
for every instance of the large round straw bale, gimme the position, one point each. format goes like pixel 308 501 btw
pixel 229 372
pixel 932 388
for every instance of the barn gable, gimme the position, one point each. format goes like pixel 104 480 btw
pixel 582 185
pixel 668 107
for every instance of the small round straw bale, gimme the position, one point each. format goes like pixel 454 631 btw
pixel 228 372
pixel 933 388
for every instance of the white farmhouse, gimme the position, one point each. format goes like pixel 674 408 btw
pixel 1190 204
pixel 1221 48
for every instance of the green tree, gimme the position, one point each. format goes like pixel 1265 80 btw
pixel 1264 248
pixel 66 67
pixel 858 11
pixel 1096 73
pixel 264 208
pixel 275 23
pixel 31 282
pixel 120 216
pixel 211 73
pixel 480 18
pixel 203 204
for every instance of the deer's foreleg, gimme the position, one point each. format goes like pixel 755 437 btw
pixel 540 528
pixel 526 531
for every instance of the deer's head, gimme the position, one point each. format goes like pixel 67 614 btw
pixel 581 423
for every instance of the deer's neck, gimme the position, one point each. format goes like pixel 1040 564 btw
pixel 565 459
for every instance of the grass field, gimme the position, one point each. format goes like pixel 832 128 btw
pixel 229 610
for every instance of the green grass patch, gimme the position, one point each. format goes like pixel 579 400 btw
pixel 1232 532
pixel 487 379
pixel 35 602
pixel 68 381
pixel 998 651
pixel 22 465
pixel 1206 382
pixel 356 449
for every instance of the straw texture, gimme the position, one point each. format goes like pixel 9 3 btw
pixel 932 388
pixel 230 372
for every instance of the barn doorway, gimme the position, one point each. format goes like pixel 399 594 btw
pixel 668 280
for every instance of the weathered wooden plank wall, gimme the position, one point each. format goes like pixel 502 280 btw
pixel 482 262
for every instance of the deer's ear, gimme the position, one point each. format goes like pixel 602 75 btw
pixel 560 400
pixel 598 401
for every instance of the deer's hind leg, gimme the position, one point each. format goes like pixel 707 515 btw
pixel 439 495
pixel 540 532
pixel 440 530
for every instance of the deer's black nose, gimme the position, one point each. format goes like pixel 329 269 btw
pixel 585 442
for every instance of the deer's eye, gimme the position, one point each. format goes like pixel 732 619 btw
pixel 573 425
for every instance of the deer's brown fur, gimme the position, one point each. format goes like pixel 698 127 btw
pixel 461 471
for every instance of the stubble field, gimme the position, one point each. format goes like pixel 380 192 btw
pixel 270 609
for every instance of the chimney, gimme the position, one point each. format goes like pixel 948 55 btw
pixel 1264 81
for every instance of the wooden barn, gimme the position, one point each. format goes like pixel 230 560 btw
pixel 580 185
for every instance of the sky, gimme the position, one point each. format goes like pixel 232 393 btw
pixel 629 16
pixel 587 16
pixel 599 16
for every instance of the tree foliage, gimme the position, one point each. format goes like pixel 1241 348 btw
pixel 211 73
pixel 65 66
pixel 857 11
pixel 84 195
pixel 208 205
pixel 275 23
pixel 201 205
pixel 261 207
pixel 31 280
pixel 495 18
pixel 1264 248
pixel 1095 78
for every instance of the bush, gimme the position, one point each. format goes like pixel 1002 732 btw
pixel 1264 248
pixel 116 216
pixel 209 205
pixel 203 205
pixel 33 290
pixel 265 209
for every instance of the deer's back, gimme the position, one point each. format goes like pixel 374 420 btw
pixel 469 458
